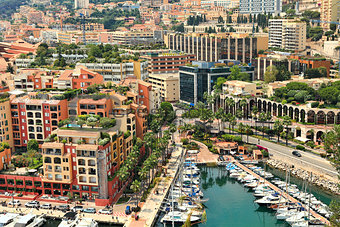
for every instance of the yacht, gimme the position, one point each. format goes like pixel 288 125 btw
pixel 285 215
pixel 270 200
pixel 297 217
pixel 310 223
pixel 7 219
pixel 87 222
pixel 178 217
pixel 70 219
pixel 30 220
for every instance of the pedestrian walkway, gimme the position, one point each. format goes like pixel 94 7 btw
pixel 149 211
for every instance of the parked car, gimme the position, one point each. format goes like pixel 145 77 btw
pixel 14 203
pixel 128 210
pixel 296 153
pixel 90 210
pixel 78 208
pixel 46 206
pixel 105 211
pixel 32 204
pixel 63 207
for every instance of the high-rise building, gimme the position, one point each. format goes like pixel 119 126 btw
pixel 233 46
pixel 81 4
pixel 329 11
pixel 260 6
pixel 287 34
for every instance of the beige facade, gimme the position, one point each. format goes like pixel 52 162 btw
pixel 168 85
pixel 235 87
pixel 287 34
pixel 329 11
pixel 6 134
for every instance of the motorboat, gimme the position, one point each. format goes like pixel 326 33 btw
pixel 251 184
pixel 310 223
pixel 285 215
pixel 297 217
pixel 270 200
pixel 29 220
pixel 8 219
pixel 263 193
pixel 70 219
pixel 178 217
pixel 87 222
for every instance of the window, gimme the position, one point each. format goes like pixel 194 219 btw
pixel 47 114
pixel 22 113
pixel 23 120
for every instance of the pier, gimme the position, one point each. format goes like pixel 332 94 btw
pixel 286 195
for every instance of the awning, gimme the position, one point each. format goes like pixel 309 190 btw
pixel 302 139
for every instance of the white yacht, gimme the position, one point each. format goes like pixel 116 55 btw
pixel 7 219
pixel 178 217
pixel 70 219
pixel 87 222
pixel 285 215
pixel 297 217
pixel 29 220
pixel 270 200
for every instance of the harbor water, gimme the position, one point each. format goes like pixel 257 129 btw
pixel 231 204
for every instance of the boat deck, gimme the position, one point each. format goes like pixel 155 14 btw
pixel 275 188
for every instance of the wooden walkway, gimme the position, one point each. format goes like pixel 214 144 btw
pixel 275 188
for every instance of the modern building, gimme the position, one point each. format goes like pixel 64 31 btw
pixel 6 133
pixel 133 38
pixel 81 4
pixel 212 47
pixel 201 77
pixel 260 6
pixel 167 62
pixel 119 71
pixel 287 34
pixel 296 64
pixel 227 4
pixel 167 84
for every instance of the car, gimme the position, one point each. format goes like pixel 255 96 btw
pixel 14 203
pixel 32 204
pixel 63 207
pixel 90 210
pixel 78 208
pixel 105 211
pixel 47 206
pixel 296 153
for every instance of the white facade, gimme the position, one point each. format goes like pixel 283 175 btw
pixel 81 4
pixel 287 34
pixel 260 6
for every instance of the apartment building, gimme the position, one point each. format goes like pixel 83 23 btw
pixel 329 11
pixel 35 118
pixel 81 4
pixel 31 80
pixel 131 38
pixel 260 6
pixel 287 34
pixel 236 87
pixel 167 84
pixel 81 163
pixel 101 107
pixel 79 78
pixel 167 62
pixel 212 47
pixel 6 133
pixel 120 71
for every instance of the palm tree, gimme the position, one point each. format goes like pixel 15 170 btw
pixel 232 104
pixel 219 115
pixel 241 128
pixel 286 122
pixel 239 114
pixel 233 121
pixel 278 127
pixel 247 131
pixel 229 117
pixel 135 187
pixel 123 175
pixel 255 111
pixel 262 118
pixel 243 104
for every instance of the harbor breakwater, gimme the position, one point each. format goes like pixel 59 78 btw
pixel 316 179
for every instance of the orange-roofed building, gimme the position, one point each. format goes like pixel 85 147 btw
pixel 79 78
pixel 101 107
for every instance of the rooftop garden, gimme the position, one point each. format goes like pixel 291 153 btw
pixel 87 121
pixel 31 159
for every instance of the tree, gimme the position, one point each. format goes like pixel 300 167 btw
pixel 10 69
pixel 278 128
pixel 329 94
pixel 286 122
pixel 219 115
pixel 290 12
pixel 80 122
pixel 135 187
pixel 241 128
pixel 219 82
pixel 220 19
pixel 32 145
pixel 107 122
pixel 270 74
pixel 247 131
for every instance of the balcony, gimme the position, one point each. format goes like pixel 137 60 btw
pixel 50 151
pixel 82 171
pixel 92 171
pixel 81 162
pixel 57 169
pixel 82 179
pixel 91 163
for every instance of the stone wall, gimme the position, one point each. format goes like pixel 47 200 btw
pixel 297 170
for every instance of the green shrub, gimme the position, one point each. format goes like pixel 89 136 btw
pixel 314 104
pixel 300 147
pixel 284 101
pixel 185 141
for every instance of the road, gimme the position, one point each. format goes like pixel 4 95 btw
pixel 307 158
